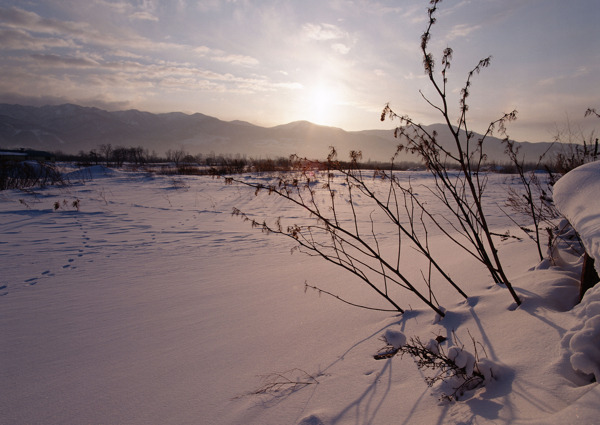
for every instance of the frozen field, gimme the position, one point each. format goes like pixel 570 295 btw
pixel 141 300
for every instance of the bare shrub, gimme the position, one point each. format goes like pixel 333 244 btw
pixel 461 193
pixel 284 383
pixel 534 199
pixel 21 175
pixel 336 232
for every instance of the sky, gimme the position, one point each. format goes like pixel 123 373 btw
pixel 334 63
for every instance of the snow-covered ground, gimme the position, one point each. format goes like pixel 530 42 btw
pixel 141 300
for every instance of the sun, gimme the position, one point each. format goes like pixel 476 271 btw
pixel 322 104
pixel 322 97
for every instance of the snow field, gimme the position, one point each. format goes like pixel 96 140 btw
pixel 152 304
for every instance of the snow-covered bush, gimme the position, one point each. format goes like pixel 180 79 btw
pixel 456 370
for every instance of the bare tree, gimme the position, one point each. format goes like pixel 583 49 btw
pixel 176 155
pixel 575 147
pixel 106 151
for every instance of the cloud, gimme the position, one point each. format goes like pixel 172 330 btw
pixel 119 7
pixel 46 32
pixel 323 32
pixel 147 12
pixel 13 39
pixel 340 48
pixel 29 31
pixel 221 56
pixel 43 100
pixel 341 39
pixel 462 30
pixel 555 80
pixel 288 86
pixel 53 73
pixel 64 61
pixel 144 16
pixel 30 21
pixel 236 60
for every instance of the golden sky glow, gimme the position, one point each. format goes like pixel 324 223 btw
pixel 333 63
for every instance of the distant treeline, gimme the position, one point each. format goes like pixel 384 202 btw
pixel 179 161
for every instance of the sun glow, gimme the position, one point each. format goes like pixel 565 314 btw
pixel 322 104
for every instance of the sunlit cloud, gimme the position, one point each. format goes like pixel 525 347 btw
pixel 144 16
pixel 236 60
pixel 340 48
pixel 323 32
pixel 221 56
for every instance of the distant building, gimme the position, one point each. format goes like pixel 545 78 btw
pixel 26 155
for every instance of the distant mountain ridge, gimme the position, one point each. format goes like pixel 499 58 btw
pixel 72 128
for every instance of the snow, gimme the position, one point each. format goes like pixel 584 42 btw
pixel 577 195
pixel 150 303
pixel 394 338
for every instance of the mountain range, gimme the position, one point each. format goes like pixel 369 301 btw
pixel 71 128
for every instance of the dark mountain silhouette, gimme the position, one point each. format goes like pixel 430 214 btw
pixel 72 128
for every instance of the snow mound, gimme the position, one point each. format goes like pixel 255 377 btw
pixel 577 196
pixel 89 173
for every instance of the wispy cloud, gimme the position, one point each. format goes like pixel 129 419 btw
pixel 41 100
pixel 340 48
pixel 144 16
pixel 236 60
pixel 323 32
pixel 17 39
pixel 218 55
pixel 462 30
pixel 30 21
pixel 340 41
pixel 64 61
pixel 579 72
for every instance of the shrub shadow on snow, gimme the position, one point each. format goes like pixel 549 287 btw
pixel 366 406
